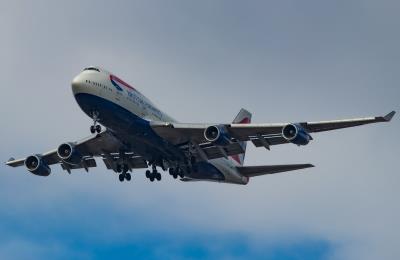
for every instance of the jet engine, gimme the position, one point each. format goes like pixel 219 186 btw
pixel 37 166
pixel 296 134
pixel 69 154
pixel 218 135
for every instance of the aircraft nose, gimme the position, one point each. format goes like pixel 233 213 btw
pixel 77 84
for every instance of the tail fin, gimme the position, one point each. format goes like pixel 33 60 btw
pixel 244 117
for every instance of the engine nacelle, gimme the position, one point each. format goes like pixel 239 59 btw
pixel 296 134
pixel 218 135
pixel 37 166
pixel 69 154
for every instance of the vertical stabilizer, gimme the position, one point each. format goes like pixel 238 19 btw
pixel 244 117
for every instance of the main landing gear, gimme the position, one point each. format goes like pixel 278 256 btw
pixel 176 172
pixel 189 166
pixel 154 174
pixel 95 127
pixel 123 172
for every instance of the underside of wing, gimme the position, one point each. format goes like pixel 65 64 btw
pixel 338 124
pixel 91 146
pixel 261 135
pixel 252 171
pixel 86 163
pixel 133 161
pixel 81 155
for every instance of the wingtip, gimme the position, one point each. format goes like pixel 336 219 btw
pixel 389 116
pixel 9 161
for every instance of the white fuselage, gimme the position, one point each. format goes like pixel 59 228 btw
pixel 104 85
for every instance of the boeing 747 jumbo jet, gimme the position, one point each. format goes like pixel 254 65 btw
pixel 138 135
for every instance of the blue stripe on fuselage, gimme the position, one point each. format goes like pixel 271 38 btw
pixel 116 85
pixel 112 115
pixel 206 171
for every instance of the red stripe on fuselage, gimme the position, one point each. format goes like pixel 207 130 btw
pixel 115 78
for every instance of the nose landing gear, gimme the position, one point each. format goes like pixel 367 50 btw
pixel 95 127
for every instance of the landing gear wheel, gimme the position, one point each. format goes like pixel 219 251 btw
pixel 158 176
pixel 173 172
pixel 95 127
pixel 121 177
pixel 147 174
pixel 128 176
pixel 119 168
pixel 180 173
pixel 151 178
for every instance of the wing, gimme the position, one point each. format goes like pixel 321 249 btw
pixel 261 135
pixel 337 124
pixel 104 145
pixel 252 171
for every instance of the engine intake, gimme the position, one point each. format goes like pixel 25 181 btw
pixel 69 154
pixel 218 135
pixel 37 166
pixel 296 134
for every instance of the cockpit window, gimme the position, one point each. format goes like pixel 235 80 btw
pixel 91 68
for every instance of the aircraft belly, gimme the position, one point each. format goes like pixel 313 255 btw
pixel 217 170
pixel 205 171
pixel 228 169
pixel 130 127
pixel 137 132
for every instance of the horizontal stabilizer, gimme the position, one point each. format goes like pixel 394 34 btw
pixel 252 171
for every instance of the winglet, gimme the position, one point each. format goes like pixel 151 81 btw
pixel 389 116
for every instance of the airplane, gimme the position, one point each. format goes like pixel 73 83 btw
pixel 138 135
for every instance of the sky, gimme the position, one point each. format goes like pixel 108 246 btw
pixel 201 61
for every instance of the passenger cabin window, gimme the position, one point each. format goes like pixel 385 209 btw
pixel 91 68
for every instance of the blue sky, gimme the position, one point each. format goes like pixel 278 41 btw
pixel 285 61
